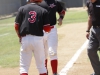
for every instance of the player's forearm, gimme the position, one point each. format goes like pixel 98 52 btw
pixel 17 29
pixel 89 24
pixel 62 14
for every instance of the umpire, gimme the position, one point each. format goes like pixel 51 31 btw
pixel 94 35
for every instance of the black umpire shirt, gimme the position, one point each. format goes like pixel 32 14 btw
pixel 94 12
pixel 52 6
pixel 31 19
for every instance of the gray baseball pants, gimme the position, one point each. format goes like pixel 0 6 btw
pixel 94 44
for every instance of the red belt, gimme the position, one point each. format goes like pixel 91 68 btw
pixel 52 26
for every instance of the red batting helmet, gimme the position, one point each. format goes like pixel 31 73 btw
pixel 37 0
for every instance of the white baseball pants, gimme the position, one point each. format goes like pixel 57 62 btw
pixel 51 43
pixel 32 44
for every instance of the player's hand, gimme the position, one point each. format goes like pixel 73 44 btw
pixel 59 21
pixel 20 39
pixel 87 35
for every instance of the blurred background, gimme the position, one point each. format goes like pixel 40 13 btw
pixel 10 7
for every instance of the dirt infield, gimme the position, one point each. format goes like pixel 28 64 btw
pixel 71 38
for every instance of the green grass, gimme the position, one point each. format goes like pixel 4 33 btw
pixel 75 16
pixel 9 44
pixel 9 48
pixel 8 20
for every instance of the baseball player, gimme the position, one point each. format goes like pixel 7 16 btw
pixel 31 20
pixel 51 40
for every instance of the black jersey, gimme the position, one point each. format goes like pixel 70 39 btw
pixel 94 12
pixel 52 6
pixel 31 19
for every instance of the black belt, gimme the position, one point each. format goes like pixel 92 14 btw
pixel 25 35
pixel 96 26
pixel 30 34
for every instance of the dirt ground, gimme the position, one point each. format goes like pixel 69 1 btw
pixel 71 38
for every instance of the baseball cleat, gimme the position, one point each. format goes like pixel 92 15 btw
pixel 93 74
pixel 55 74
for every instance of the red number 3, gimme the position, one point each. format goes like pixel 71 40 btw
pixel 33 16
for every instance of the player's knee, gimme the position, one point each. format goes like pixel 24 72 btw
pixel 52 53
pixel 92 51
pixel 54 56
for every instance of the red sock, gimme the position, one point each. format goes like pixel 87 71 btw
pixel 24 74
pixel 46 63
pixel 54 65
pixel 43 74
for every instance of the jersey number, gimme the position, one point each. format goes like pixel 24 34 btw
pixel 32 19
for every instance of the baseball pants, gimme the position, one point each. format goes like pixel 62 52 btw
pixel 32 44
pixel 51 43
pixel 94 44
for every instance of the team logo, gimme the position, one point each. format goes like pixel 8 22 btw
pixel 52 5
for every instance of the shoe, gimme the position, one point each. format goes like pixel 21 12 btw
pixel 55 74
pixel 47 72
pixel 92 74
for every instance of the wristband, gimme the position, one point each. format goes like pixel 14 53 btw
pixel 61 17
pixel 87 31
